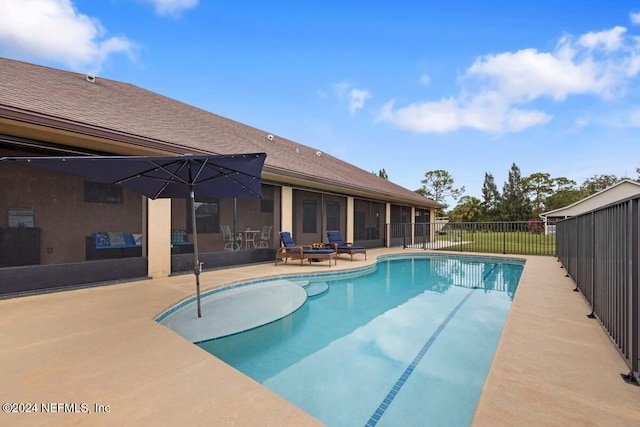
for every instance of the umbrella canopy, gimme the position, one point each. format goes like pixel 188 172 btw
pixel 223 176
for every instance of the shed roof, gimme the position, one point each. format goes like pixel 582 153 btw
pixel 50 99
pixel 618 191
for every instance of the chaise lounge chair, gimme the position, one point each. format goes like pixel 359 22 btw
pixel 339 245
pixel 289 249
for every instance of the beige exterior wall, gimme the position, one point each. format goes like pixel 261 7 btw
pixel 286 221
pixel 159 237
pixel 350 215
pixel 432 225
pixel 387 215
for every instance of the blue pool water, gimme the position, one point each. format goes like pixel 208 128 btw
pixel 408 343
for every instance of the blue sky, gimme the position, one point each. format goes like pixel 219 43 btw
pixel 409 86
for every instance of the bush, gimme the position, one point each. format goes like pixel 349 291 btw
pixel 535 226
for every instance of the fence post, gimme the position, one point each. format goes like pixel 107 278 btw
pixel 424 236
pixel 634 273
pixel 404 236
pixel 504 239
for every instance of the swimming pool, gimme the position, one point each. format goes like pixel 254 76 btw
pixel 408 342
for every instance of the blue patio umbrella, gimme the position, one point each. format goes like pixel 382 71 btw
pixel 219 175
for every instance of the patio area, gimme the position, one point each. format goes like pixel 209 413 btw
pixel 96 356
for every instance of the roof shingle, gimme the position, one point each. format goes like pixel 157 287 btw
pixel 125 109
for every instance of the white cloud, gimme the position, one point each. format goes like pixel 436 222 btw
pixel 610 40
pixel 172 7
pixel 529 74
pixel 451 114
pixel 357 98
pixel 623 118
pixel 54 30
pixel 634 118
pixel 425 79
pixel 581 123
pixel 341 89
pixel 497 88
pixel 517 120
pixel 635 18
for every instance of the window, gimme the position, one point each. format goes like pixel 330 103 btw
pixel 309 216
pixel 368 219
pixel 97 192
pixel 207 215
pixel 333 216
pixel 266 206
pixel 267 202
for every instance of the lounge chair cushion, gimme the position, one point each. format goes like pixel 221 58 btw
pixel 116 238
pixel 287 240
pixel 317 251
pixel 102 240
pixel 129 240
pixel 289 249
pixel 335 238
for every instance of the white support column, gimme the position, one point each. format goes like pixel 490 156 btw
pixel 387 219
pixel 432 225
pixel 350 215
pixel 159 237
pixel 286 208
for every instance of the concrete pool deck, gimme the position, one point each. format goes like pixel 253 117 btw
pixel 101 349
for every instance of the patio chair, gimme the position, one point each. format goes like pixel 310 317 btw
pixel 233 244
pixel 337 242
pixel 289 249
pixel 265 235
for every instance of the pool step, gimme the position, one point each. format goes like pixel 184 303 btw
pixel 316 288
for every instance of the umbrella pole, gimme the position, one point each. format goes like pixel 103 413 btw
pixel 196 260
pixel 234 226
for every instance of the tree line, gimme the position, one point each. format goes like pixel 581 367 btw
pixel 521 198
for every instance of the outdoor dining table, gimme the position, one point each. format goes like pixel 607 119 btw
pixel 250 237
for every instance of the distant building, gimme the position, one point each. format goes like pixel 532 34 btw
pixel 619 191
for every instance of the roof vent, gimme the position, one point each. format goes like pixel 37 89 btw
pixel 91 78
pixel 270 137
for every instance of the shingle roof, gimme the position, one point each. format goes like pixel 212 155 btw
pixel 68 100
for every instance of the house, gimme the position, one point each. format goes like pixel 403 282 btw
pixel 618 191
pixel 58 230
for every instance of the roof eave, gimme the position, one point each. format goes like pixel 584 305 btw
pixel 52 129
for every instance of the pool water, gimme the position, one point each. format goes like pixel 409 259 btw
pixel 407 344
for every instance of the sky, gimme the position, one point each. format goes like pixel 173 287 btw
pixel 468 87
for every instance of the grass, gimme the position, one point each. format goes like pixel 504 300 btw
pixel 514 242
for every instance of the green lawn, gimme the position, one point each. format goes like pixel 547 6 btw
pixel 515 242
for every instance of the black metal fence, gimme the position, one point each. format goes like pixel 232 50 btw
pixel 523 237
pixel 600 251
